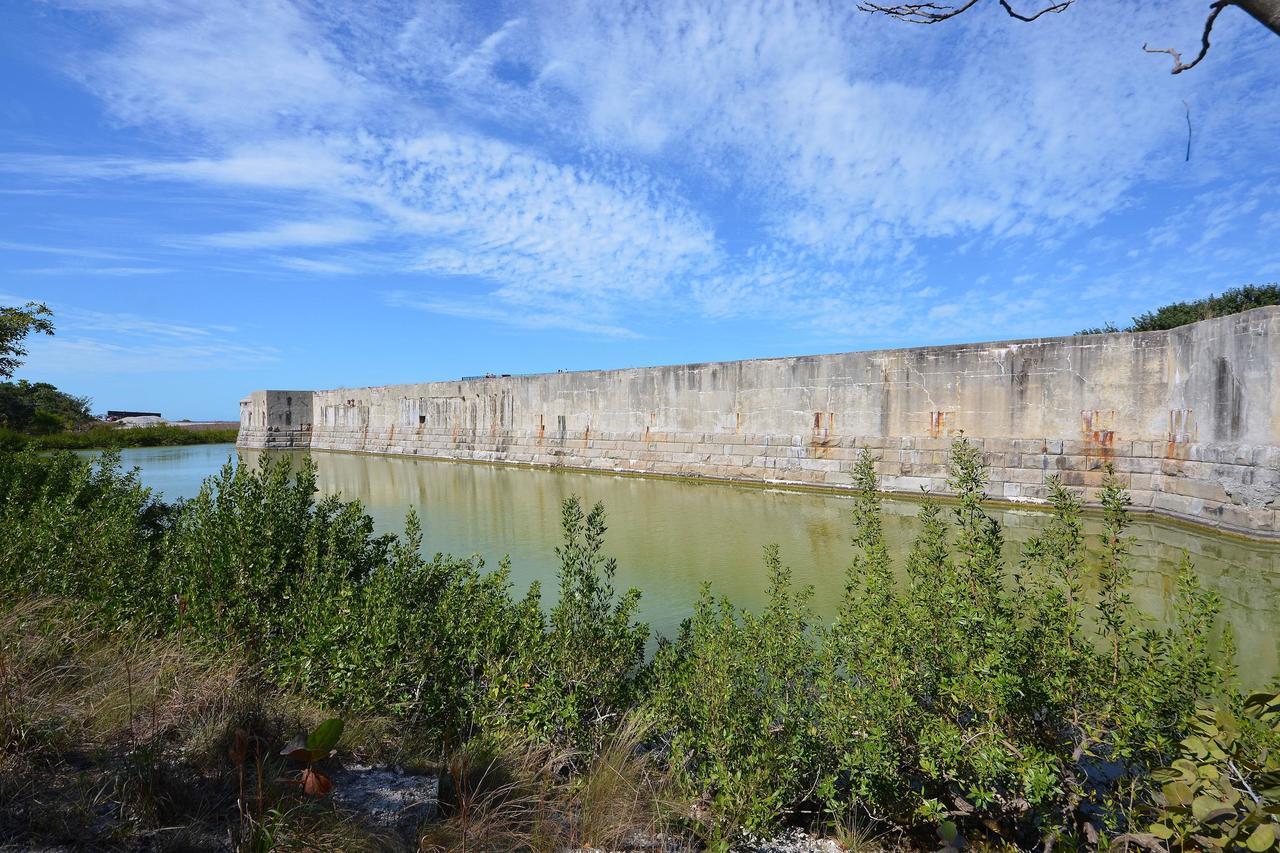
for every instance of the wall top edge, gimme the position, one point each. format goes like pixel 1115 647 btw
pixel 1264 313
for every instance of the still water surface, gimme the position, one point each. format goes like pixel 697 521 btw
pixel 669 537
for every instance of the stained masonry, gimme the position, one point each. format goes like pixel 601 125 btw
pixel 1189 418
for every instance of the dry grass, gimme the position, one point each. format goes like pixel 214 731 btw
pixel 857 832
pixel 108 740
pixel 112 741
pixel 511 798
pixel 622 795
pixel 101 736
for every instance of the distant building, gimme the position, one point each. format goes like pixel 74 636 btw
pixel 139 421
pixel 114 415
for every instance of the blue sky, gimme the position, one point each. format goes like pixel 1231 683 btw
pixel 221 196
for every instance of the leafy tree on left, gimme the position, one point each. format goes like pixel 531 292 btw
pixel 32 407
pixel 15 325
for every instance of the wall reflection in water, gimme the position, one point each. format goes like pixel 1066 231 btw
pixel 669 537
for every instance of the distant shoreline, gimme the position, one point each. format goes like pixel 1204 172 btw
pixel 110 438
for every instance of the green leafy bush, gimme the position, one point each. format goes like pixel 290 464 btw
pixel 1223 789
pixel 256 560
pixel 736 697
pixel 81 531
pixel 586 668
pixel 954 695
pixel 114 438
pixel 973 699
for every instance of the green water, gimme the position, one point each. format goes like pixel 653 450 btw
pixel 669 537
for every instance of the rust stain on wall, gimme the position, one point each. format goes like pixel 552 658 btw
pixel 938 424
pixel 821 442
pixel 1097 426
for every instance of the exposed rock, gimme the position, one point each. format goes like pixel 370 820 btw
pixel 790 841
pixel 386 798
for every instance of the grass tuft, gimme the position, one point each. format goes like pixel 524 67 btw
pixel 115 740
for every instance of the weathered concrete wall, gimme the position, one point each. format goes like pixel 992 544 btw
pixel 1190 418
pixel 276 419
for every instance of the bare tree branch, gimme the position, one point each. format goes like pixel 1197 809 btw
pixel 1055 9
pixel 918 13
pixel 1266 12
pixel 932 13
pixel 1178 65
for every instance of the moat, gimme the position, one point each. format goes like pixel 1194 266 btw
pixel 669 537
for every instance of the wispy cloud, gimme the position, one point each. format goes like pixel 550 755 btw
pixel 313 265
pixel 508 316
pixel 226 68
pixel 851 144
pixel 112 342
pixel 481 60
pixel 79 321
pixel 86 355
pixel 788 163
pixel 324 233
pixel 69 251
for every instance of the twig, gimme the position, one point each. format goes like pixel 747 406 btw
pixel 1256 799
pixel 918 13
pixel 1178 66
pixel 1055 9
pixel 1188 107
pixel 933 13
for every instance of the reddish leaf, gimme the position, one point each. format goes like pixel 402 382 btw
pixel 239 748
pixel 315 782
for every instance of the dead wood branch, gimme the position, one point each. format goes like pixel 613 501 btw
pixel 932 13
pixel 1215 9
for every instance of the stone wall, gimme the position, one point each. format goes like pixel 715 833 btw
pixel 1190 418
pixel 276 419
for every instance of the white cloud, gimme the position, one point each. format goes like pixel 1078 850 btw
pixel 799 162
pixel 482 58
pixel 313 265
pixel 536 227
pixel 324 233
pixel 69 251
pixel 833 116
pixel 84 355
pixel 472 310
pixel 321 164
pixel 106 342
pixel 224 68
pixel 79 321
